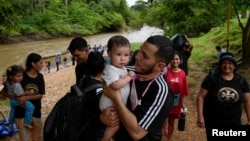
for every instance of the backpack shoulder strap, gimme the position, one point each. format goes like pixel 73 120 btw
pixel 241 80
pixel 80 93
pixel 92 87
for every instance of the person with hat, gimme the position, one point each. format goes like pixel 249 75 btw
pixel 219 100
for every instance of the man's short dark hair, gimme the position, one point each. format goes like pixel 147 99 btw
pixel 165 47
pixel 78 43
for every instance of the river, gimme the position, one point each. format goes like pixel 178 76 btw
pixel 17 53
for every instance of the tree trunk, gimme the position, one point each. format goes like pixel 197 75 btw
pixel 245 36
pixel 246 41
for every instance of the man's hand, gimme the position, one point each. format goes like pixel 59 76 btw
pixel 110 93
pixel 109 117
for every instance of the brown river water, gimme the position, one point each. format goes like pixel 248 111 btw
pixel 16 53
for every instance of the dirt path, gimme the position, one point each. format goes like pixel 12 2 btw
pixel 192 132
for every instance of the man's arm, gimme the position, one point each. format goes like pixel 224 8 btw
pixel 126 117
pixel 129 120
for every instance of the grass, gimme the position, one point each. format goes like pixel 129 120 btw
pixel 4 102
pixel 204 52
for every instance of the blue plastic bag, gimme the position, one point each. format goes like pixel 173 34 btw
pixel 5 130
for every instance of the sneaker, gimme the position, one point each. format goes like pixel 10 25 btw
pixel 28 126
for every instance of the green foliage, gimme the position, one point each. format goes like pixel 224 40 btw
pixel 8 18
pixel 204 53
pixel 26 29
pixel 117 20
pixel 159 17
pixel 114 7
pixel 53 17
pixel 4 102
pixel 188 16
pixel 135 46
pixel 79 14
pixel 135 20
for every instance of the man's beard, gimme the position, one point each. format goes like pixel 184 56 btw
pixel 148 71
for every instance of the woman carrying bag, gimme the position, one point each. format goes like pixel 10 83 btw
pixel 177 80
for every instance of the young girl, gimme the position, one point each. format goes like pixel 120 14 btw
pixel 14 77
pixel 177 80
pixel 116 76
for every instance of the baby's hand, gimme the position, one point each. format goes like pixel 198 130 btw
pixel 131 74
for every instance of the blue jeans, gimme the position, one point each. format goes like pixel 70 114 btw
pixel 29 109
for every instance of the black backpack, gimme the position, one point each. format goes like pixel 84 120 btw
pixel 70 117
pixel 179 41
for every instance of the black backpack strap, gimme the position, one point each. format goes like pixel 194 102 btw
pixel 92 87
pixel 79 92
pixel 241 81
pixel 81 80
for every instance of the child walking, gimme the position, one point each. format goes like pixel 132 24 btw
pixel 116 76
pixel 14 77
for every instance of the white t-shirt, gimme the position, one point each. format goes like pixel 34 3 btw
pixel 111 74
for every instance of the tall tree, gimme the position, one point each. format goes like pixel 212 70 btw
pixel 245 35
